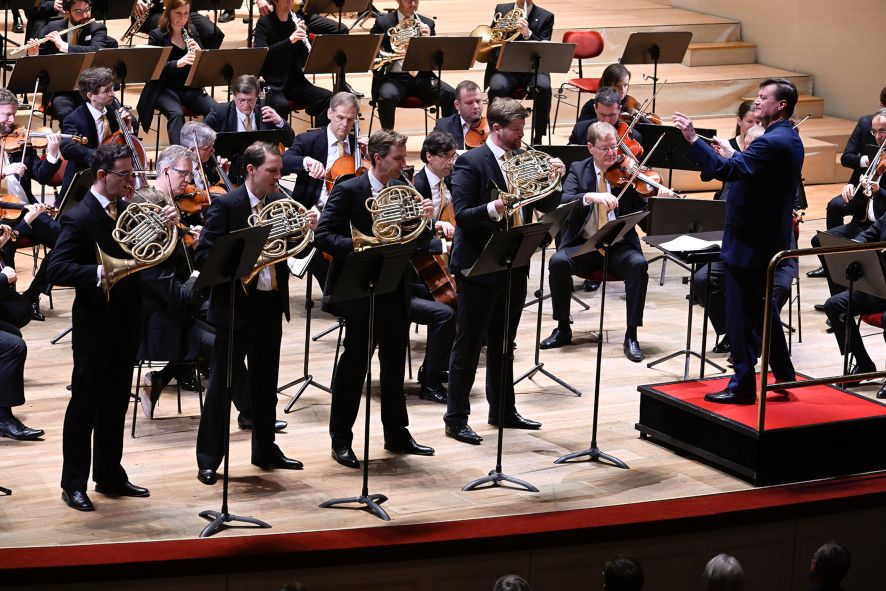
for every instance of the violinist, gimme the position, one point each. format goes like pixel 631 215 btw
pixel 468 115
pixel 587 183
pixel 91 120
pixel 607 108
pixel 200 138
pixel 615 76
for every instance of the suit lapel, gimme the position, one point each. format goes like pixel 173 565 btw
pixel 494 170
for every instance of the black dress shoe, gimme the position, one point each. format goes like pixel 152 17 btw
pixel 589 285
pixel 855 370
pixel 246 423
pixel 433 394
pixel 77 499
pixel 280 462
pixel 125 489
pixel 881 393
pixel 18 26
pixel 226 16
pixel 819 307
pixel 345 456
pixel 633 351
pixel 407 445
pixel 516 421
pixel 463 433
pixel 150 394
pixel 36 314
pixel 817 273
pixel 727 397
pixel 723 346
pixel 207 476
pixel 558 338
pixel 14 429
pixel 444 375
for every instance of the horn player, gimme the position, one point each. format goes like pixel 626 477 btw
pixel 105 333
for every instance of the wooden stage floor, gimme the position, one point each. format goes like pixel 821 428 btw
pixel 421 490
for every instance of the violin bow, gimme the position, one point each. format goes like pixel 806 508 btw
pixel 639 168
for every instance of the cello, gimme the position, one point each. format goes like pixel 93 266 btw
pixel 125 137
pixel 433 269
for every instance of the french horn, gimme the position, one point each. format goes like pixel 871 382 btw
pixel 396 218
pixel 530 178
pixel 400 35
pixel 503 30
pixel 289 222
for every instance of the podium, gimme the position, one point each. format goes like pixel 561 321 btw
pixel 340 54
pixel 656 47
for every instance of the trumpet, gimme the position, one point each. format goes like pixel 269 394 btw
pixel 288 221
pixel 42 40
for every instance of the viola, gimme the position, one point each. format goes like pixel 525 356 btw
pixel 12 208
pixel 627 145
pixel 125 137
pixel 37 138
pixel 344 166
pixel 433 269
pixel 632 109
pixel 477 133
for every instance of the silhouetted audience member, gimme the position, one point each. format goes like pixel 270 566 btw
pixel 723 573
pixel 511 583
pixel 622 573
pixel 830 564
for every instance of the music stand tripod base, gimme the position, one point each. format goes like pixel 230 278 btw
pixel 372 503
pixel 594 455
pixel 219 520
pixel 495 478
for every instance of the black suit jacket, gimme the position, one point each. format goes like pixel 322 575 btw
pixel 228 213
pixel 579 135
pixel 91 38
pixel 422 185
pixel 452 125
pixel 223 118
pixel 380 27
pixel 80 122
pixel 285 60
pixel 541 28
pixel 859 144
pixel 311 143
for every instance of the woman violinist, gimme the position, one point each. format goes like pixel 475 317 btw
pixel 618 77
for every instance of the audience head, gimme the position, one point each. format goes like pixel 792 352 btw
pixel 723 573
pixel 511 583
pixel 830 565
pixel 622 573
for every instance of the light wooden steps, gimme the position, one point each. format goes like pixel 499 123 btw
pixel 720 53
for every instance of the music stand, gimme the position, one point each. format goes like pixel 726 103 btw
pixel 339 54
pixel 216 67
pixel 683 216
pixel 371 272
pixel 556 219
pixel 215 6
pixel 105 10
pixel 862 271
pixel 132 64
pixel 656 47
pixel 231 144
pixel 5 42
pixel 232 257
pixel 568 154
pixel 535 57
pixel 339 6
pixel 57 73
pixel 505 251
pixel 604 238
pixel 672 151
pixel 5 491
pixel 435 54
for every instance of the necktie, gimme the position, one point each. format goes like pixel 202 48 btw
pixel 112 210
pixel 341 148
pixel 104 128
pixel 75 37
pixel 602 212
pixel 247 123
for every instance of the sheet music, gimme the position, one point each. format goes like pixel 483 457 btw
pixel 686 243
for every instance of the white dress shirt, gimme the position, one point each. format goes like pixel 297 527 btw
pixel 264 277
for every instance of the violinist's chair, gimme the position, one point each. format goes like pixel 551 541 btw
pixel 588 45
pixel 187 115
pixel 296 106
pixel 409 102
pixel 138 390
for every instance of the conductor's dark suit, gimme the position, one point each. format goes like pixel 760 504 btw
pixel 481 300
pixel 104 338
pixel 763 183
pixel 257 333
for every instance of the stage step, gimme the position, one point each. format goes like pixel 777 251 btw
pixel 720 53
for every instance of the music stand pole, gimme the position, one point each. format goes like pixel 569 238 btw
pixel 5 491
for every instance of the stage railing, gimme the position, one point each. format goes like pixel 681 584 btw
pixel 767 320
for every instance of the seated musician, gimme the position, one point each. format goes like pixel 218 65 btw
pixel 39 15
pixel 346 209
pixel 168 93
pixel 210 36
pixel 88 39
pixel 390 84
pixel 283 69
pixel 200 138
pixel 468 115
pixel 536 25
pixel 438 154
pixel 586 182
pixel 857 157
pixel 14 313
pixel 615 76
pixel 317 24
pixel 15 179
pixel 607 108
pixel 91 120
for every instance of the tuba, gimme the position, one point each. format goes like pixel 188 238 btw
pixel 400 35
pixel 396 218
pixel 144 235
pixel 530 178
pixel 288 222
pixel 503 30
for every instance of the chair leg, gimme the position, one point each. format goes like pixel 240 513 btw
pixel 371 116
pixel 136 397
pixel 199 386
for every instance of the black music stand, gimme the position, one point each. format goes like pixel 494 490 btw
pixel 339 54
pixel 556 219
pixel 306 378
pixel 335 6
pixel 57 73
pixel 369 273
pixel 604 238
pixel 672 151
pixel 5 42
pixel 231 259
pixel 217 67
pixel 136 65
pixel 683 216
pixel 215 6
pixel 506 250
pixel 535 57
pixel 231 144
pixel 435 54
pixel 862 271
pixel 656 47
pixel 5 491
pixel 105 10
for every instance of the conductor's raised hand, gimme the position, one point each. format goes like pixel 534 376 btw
pixel 684 124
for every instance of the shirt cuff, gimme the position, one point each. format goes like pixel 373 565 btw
pixel 64 47
pixel 281 124
pixel 493 213
pixel 864 162
pixel 98 274
pixel 52 159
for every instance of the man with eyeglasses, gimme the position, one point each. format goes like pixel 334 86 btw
pixel 92 120
pixel 586 183
pixel 106 332
pixel 87 39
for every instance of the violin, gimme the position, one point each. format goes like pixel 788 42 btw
pixel 127 138
pixel 628 170
pixel 193 201
pixel 477 133
pixel 12 208
pixel 37 138
pixel 628 145
pixel 632 108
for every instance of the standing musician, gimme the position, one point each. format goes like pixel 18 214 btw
pixel 758 225
pixel 586 182
pixel 481 300
pixel 105 333
pixel 536 25
pixel 468 115
pixel 346 208
pixel 210 36
pixel 257 326
pixel 438 154
pixel 607 108
pixel 283 70
pixel 88 39
pixel 168 93
pixel 390 84
pixel 91 120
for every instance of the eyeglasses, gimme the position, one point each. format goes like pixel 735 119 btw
pixel 82 11
pixel 245 101
pixel 185 173
pixel 876 132
pixel 606 148
pixel 123 173
pixel 446 157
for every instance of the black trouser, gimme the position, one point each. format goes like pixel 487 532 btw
pixel 837 209
pixel 504 84
pixel 13 353
pixel 850 230
pixel 321 25
pixel 63 103
pixel 169 103
pixel 395 87
pixel 625 262
pixel 315 98
pixel 440 320
pixel 836 306
pixel 258 341
pixel 391 334
pixel 481 319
